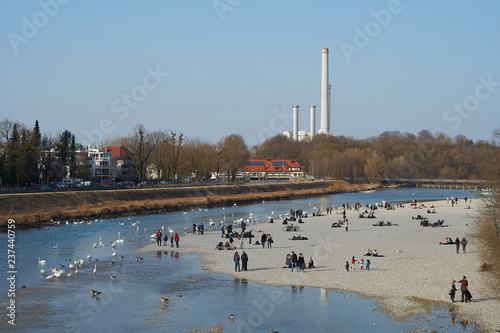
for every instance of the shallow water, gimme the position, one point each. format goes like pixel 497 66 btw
pixel 133 301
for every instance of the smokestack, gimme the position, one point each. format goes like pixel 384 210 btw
pixel 312 110
pixel 325 92
pixel 295 123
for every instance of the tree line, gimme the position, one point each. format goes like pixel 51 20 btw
pixel 27 157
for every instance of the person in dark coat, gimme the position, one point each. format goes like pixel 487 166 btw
pixel 263 239
pixel 294 261
pixel 464 244
pixel 244 260
pixel 457 244
pixel 300 262
pixel 236 258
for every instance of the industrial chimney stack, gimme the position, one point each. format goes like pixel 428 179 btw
pixel 295 123
pixel 325 94
pixel 312 110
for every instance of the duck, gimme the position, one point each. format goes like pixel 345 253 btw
pixel 95 292
pixel 164 299
pixel 113 277
pixel 55 247
pixel 138 258
pixel 70 275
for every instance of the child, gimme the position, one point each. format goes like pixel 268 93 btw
pixel 367 265
pixel 453 291
pixel 353 262
pixel 347 266
pixel 361 264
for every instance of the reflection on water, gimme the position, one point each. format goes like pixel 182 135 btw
pixel 195 299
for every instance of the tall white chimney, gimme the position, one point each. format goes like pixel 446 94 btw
pixel 312 110
pixel 295 123
pixel 325 98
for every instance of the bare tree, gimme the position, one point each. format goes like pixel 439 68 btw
pixel 234 154
pixel 374 167
pixel 139 146
pixel 174 156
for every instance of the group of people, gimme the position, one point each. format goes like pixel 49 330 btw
pixel 173 238
pixel 462 242
pixel 298 262
pixel 362 264
pixel 464 289
pixel 200 228
pixel 244 261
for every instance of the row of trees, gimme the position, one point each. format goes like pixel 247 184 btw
pixel 171 156
pixel 391 155
pixel 26 156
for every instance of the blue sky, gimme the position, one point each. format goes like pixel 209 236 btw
pixel 215 67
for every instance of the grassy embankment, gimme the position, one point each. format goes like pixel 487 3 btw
pixel 35 208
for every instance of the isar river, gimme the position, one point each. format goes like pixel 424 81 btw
pixel 199 300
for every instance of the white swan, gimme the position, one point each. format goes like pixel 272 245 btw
pixel 70 275
pixel 43 271
pixel 55 247
pixel 71 266
pixel 76 270
pixel 42 262
pixel 58 272
pixel 95 269
pixel 94 245
pixel 50 277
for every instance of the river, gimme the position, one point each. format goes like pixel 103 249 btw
pixel 197 299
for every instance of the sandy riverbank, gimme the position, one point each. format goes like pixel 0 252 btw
pixel 415 269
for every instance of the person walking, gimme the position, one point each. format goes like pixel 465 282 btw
pixel 176 239
pixel 464 244
pixel 453 291
pixel 263 240
pixel 244 260
pixel 353 262
pixel 347 266
pixel 367 265
pixel 294 261
pixel 269 241
pixel 361 264
pixel 194 228
pixel 221 229
pixel 236 258
pixel 457 244
pixel 464 288
pixel 241 243
pixel 300 262
pixel 346 225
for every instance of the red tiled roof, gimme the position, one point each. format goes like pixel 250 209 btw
pixel 271 166
pixel 117 151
